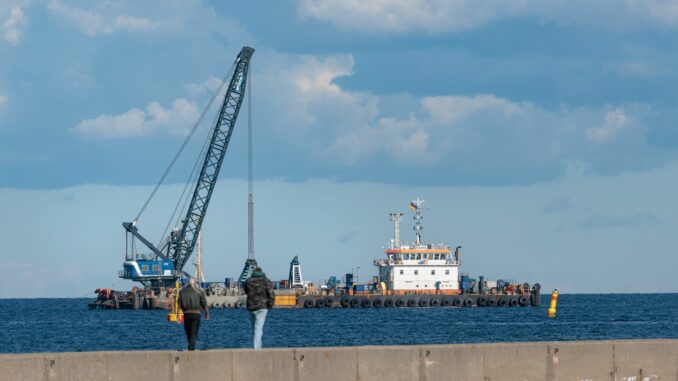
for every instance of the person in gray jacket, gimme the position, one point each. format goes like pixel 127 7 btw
pixel 192 300
pixel 260 299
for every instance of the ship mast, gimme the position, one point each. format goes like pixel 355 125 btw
pixel 417 205
pixel 396 217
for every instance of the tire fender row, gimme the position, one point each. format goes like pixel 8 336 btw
pixel 348 301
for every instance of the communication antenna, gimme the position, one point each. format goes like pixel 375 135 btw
pixel 417 205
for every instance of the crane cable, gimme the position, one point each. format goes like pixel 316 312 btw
pixel 183 145
pixel 191 180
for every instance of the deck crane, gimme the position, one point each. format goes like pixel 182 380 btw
pixel 165 265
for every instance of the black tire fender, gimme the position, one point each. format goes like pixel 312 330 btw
pixel 423 302
pixel 320 303
pixel 308 303
pixel 524 301
pixel 400 303
pixel 457 302
pixel 329 301
pixel 513 302
pixel 388 303
pixel 491 302
pixel 355 303
pixel 482 301
pixel 503 302
pixel 365 303
pixel 434 302
pixel 345 302
pixel 445 302
pixel 468 302
pixel 411 303
pixel 378 302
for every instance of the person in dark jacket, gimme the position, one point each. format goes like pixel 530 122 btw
pixel 259 292
pixel 192 300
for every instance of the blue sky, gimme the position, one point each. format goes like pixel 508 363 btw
pixel 542 132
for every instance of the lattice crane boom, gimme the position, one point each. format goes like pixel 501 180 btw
pixel 182 243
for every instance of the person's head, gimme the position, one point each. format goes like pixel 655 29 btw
pixel 191 282
pixel 257 272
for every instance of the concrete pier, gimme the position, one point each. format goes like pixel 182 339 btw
pixel 623 360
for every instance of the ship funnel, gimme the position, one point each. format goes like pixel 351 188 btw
pixel 456 254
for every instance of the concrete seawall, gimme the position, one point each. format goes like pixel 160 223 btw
pixel 623 360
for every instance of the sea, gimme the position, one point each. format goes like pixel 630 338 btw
pixel 66 325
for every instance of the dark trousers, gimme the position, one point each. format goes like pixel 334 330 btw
pixel 191 326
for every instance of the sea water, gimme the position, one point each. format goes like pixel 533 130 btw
pixel 66 325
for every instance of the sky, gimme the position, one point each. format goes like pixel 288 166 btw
pixel 542 134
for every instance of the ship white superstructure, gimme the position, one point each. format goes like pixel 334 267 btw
pixel 418 267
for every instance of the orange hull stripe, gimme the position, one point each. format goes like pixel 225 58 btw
pixel 441 251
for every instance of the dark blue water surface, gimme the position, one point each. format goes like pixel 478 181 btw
pixel 65 325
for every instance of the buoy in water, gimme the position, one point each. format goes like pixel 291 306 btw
pixel 554 301
pixel 176 315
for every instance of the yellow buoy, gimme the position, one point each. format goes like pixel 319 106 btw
pixel 554 301
pixel 176 315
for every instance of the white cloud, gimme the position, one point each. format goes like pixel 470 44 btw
pixel 615 121
pixel 174 120
pixel 444 16
pixel 97 23
pixel 13 27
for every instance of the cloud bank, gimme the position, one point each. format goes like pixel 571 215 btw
pixel 456 136
pixel 449 16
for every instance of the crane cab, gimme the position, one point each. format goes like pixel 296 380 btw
pixel 147 269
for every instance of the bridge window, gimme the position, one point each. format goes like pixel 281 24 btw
pixel 436 256
pixel 443 256
pixel 418 256
pixel 155 268
pixel 144 267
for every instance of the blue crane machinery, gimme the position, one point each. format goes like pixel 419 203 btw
pixel 164 265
